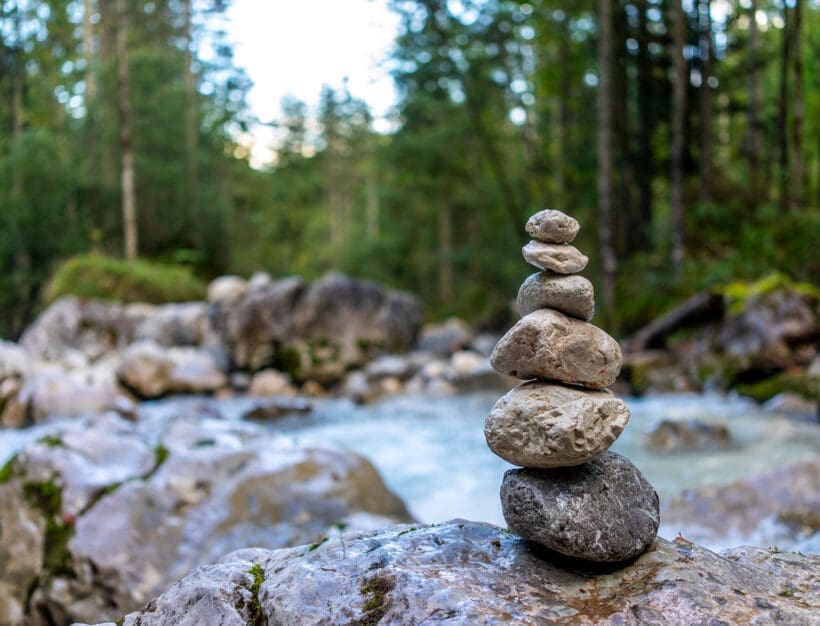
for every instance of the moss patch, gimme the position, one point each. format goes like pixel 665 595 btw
pixel 47 498
pixel 768 388
pixel 376 605
pixel 256 616
pixel 51 441
pixel 98 276
pixel 739 292
pixel 7 472
pixel 161 455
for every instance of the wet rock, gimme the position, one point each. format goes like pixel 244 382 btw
pixel 654 371
pixel 793 404
pixel 673 435
pixel 571 295
pixel 152 371
pixel 445 338
pixel 99 519
pixel 52 393
pixel 559 258
pixel 320 331
pixel 542 425
pixel 547 344
pixel 766 509
pixel 176 324
pixel 74 329
pixel 277 408
pixel 552 227
pixel 226 290
pixel 271 382
pixel 603 511
pixel 14 361
pixel 392 366
pixel 464 572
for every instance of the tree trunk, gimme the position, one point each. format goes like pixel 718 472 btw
pixel 755 146
pixel 372 200
pixel 783 115
pixel 91 167
pixel 604 149
pixel 680 86
pixel 190 124
pixel 445 251
pixel 645 167
pixel 129 203
pixel 798 177
pixel 564 68
pixel 705 21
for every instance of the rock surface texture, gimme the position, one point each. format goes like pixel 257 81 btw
pixel 552 227
pixel 544 425
pixel 572 295
pixel 98 518
pixel 470 573
pixel 549 345
pixel 554 257
pixel 572 497
pixel 601 511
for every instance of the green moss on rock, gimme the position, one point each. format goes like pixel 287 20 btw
pixel 256 615
pixel 376 590
pixel 47 498
pixel 98 276
pixel 801 384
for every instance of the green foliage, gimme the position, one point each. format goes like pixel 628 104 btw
pixel 256 614
pixel 97 276
pixel 801 384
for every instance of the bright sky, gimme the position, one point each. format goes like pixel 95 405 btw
pixel 293 47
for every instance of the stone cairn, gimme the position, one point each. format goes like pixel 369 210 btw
pixel 570 495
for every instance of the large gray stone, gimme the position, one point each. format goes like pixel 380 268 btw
pixel 543 425
pixel 776 508
pixel 552 226
pixel 316 332
pixel 98 518
pixel 549 345
pixel 151 370
pixel 470 573
pixel 555 257
pixel 603 511
pixel 572 295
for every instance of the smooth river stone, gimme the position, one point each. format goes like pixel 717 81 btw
pixel 543 425
pixel 603 511
pixel 572 295
pixel 552 227
pixel 555 257
pixel 549 345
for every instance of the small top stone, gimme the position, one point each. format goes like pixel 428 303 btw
pixel 552 226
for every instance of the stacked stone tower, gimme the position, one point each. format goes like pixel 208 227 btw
pixel 570 495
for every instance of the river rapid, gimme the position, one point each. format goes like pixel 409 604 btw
pixel 431 450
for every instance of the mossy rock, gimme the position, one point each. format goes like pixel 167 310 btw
pixel 802 384
pixel 738 293
pixel 106 278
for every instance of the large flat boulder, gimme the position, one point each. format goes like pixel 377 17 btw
pixel 98 518
pixel 317 331
pixel 472 573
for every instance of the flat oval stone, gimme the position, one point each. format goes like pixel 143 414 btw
pixel 572 295
pixel 549 345
pixel 543 425
pixel 552 226
pixel 555 257
pixel 603 511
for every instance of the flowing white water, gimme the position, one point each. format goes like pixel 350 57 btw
pixel 431 450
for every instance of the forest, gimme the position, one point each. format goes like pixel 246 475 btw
pixel 683 134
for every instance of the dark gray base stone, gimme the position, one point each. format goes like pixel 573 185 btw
pixel 603 511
